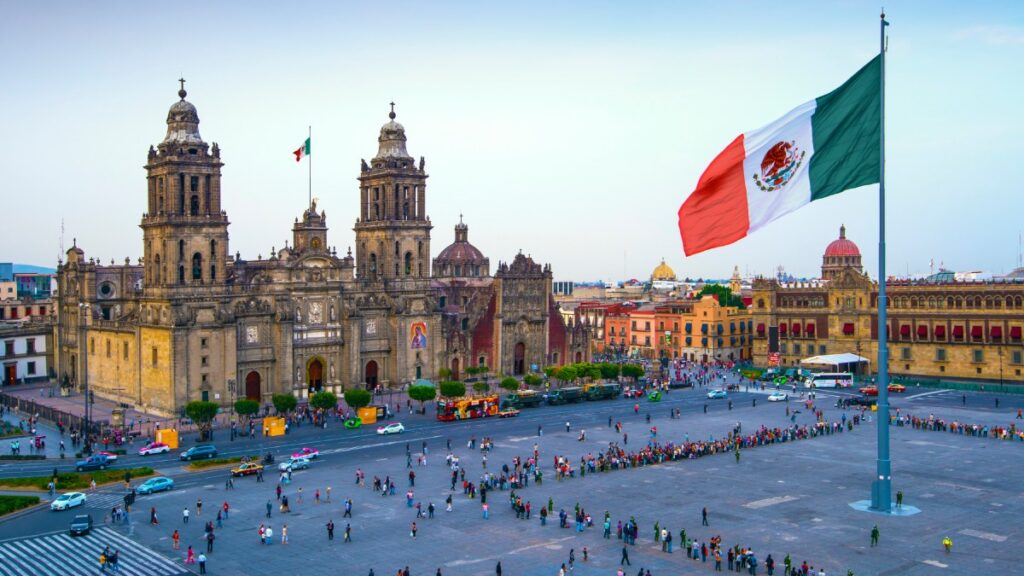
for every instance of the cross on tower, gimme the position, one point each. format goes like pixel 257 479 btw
pixel 181 91
pixel 392 114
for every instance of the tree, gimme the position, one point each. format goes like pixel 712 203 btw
pixel 510 384
pixel 609 370
pixel 422 393
pixel 357 398
pixel 481 386
pixel 632 371
pixel 551 371
pixel 452 389
pixel 246 407
pixel 591 371
pixel 444 373
pixel 284 403
pixel 202 413
pixel 324 401
pixel 567 374
pixel 724 296
pixel 532 380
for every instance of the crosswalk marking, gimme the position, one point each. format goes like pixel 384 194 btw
pixel 61 554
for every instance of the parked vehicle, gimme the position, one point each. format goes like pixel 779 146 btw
pixel 200 452
pixel 565 395
pixel 523 399
pixel 607 391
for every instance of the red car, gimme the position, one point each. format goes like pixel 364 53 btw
pixel 632 393
pixel 307 453
pixel 869 390
pixel 111 457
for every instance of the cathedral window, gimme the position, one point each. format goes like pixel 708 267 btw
pixel 206 194
pixel 181 249
pixel 213 271
pixel 373 263
pixel 181 193
pixel 193 205
pixel 419 249
pixel 408 263
pixel 193 184
pixel 396 268
pixel 420 267
pixel 197 266
pixel 465 323
pixel 181 274
pixel 396 248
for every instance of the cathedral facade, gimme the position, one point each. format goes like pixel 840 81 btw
pixel 190 321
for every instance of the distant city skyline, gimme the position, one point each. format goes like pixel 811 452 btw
pixel 570 134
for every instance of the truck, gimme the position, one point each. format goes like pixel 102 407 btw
pixel 522 399
pixel 565 395
pixel 607 391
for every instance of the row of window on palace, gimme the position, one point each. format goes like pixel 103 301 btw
pixel 154 353
pixel 958 333
pixel 742 327
pixel 30 347
pixel 905 353
pixel 687 341
pixel 15 312
pixel 936 302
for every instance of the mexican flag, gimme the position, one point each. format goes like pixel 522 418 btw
pixel 824 147
pixel 302 151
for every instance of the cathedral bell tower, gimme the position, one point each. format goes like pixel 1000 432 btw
pixel 393 231
pixel 185 232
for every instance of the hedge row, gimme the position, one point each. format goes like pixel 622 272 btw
pixel 75 480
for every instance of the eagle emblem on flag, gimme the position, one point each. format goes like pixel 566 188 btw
pixel 779 165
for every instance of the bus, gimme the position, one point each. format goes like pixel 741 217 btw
pixel 466 407
pixel 829 380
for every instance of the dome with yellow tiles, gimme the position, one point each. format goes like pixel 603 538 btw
pixel 663 273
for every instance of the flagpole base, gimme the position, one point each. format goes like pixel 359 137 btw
pixel 865 506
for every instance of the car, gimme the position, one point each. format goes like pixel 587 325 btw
pixel 200 452
pixel 778 396
pixel 81 525
pixel 713 394
pixel 307 453
pixel 294 463
pixel 158 484
pixel 654 396
pixel 898 388
pixel 392 428
pixel 94 462
pixel 246 469
pixel 353 423
pixel 111 457
pixel 68 500
pixel 863 401
pixel 508 413
pixel 869 390
pixel 632 393
pixel 154 448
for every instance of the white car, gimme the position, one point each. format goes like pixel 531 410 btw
pixel 154 448
pixel 392 428
pixel 713 394
pixel 778 396
pixel 68 500
pixel 294 463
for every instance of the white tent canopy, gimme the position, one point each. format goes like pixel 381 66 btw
pixel 834 359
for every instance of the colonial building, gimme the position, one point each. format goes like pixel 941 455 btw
pixel 938 327
pixel 192 321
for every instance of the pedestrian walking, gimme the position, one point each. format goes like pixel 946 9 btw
pixel 330 529
pixel 152 516
pixel 874 536
pixel 625 557
pixel 412 530
pixel 209 542
pixel 176 539
pixel 284 534
pixel 199 507
pixel 269 508
pixel 202 563
pixel 184 515
pixel 704 517
pixel 348 533
pixel 497 569
pixel 226 509
pixel 899 498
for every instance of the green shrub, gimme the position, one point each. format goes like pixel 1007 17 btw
pixel 10 504
pixel 200 464
pixel 75 480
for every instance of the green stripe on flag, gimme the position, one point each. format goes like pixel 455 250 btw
pixel 306 151
pixel 847 134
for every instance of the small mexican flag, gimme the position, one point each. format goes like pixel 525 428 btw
pixel 826 146
pixel 302 151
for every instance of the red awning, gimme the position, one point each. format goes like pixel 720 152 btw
pixel 976 332
pixel 940 331
pixel 905 330
pixel 922 331
pixel 1015 332
pixel 782 328
pixel 958 331
pixel 996 332
pixel 848 328
pixel 760 329
pixel 810 329
pixel 796 329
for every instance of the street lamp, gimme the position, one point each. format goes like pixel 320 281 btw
pixel 83 325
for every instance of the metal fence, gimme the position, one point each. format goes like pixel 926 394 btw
pixel 49 413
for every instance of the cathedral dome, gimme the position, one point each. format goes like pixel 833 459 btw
pixel 842 246
pixel 461 258
pixel 663 273
pixel 392 139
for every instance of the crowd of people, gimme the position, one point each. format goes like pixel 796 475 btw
pixel 1011 432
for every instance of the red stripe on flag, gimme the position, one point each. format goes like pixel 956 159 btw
pixel 715 214
pixel 298 153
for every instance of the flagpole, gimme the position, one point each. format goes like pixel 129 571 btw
pixel 881 488
pixel 310 159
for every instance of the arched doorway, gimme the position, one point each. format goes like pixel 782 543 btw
pixel 315 375
pixel 579 357
pixel 455 368
pixel 519 360
pixel 252 386
pixel 370 375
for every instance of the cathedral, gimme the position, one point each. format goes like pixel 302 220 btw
pixel 190 321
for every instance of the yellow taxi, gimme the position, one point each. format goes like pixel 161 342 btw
pixel 246 468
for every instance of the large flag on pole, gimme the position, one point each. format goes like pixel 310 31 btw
pixel 821 148
pixel 302 151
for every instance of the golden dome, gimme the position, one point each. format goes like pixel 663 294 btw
pixel 663 272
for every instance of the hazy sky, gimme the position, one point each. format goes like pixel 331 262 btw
pixel 570 130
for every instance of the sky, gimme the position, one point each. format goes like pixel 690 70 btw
pixel 571 131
